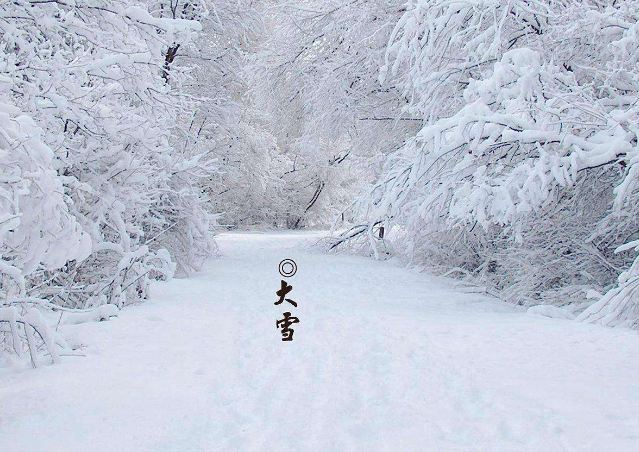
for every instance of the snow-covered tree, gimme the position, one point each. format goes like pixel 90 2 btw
pixel 97 195
pixel 523 174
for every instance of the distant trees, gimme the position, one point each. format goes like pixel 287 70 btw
pixel 314 79
pixel 248 189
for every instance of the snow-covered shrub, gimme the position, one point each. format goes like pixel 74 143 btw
pixel 27 332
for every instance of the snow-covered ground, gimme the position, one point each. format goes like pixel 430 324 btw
pixel 383 359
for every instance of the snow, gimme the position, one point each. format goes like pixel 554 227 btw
pixel 104 312
pixel 548 310
pixel 169 25
pixel 383 359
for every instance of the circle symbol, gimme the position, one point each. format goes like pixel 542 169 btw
pixel 287 268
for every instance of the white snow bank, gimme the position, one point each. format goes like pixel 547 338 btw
pixel 104 312
pixel 547 310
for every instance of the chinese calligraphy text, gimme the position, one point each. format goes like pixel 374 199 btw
pixel 287 268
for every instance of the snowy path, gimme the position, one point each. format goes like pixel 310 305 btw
pixel 383 359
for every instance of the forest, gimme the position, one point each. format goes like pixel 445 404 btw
pixel 489 142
